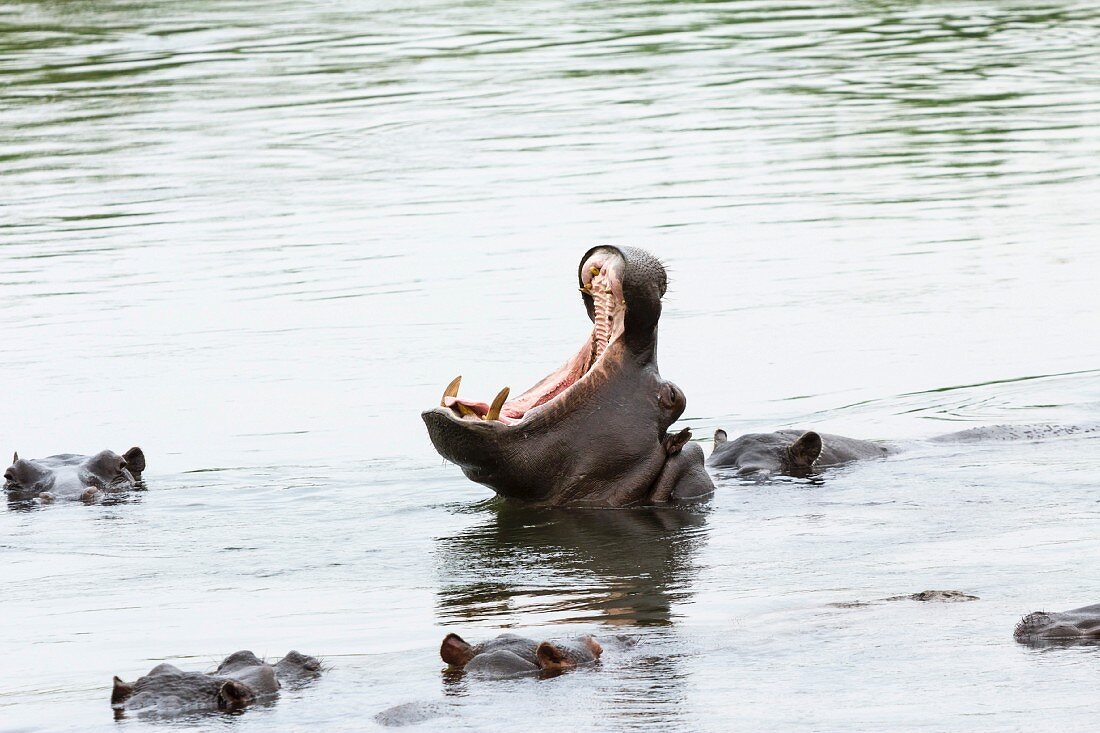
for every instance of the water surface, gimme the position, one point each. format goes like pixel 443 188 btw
pixel 257 240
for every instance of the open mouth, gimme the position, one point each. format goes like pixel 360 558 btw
pixel 600 280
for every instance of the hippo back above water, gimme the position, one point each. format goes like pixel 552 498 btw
pixel 73 476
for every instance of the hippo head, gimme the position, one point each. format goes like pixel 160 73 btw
pixel 562 655
pixel 593 432
pixel 764 454
pixel 509 655
pixel 74 475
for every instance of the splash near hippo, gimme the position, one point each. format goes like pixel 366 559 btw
pixel 594 432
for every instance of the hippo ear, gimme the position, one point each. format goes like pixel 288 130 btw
pixel 15 458
pixel 805 450
pixel 121 692
pixel 675 443
pixel 135 460
pixel 455 651
pixel 234 695
pixel 593 645
pixel 551 656
pixel 719 436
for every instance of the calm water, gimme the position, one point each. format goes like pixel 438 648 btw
pixel 258 238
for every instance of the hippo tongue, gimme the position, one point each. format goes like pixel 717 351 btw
pixel 466 407
pixel 474 409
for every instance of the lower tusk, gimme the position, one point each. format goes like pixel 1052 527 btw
pixel 494 409
pixel 451 391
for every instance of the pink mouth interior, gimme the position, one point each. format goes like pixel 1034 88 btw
pixel 601 277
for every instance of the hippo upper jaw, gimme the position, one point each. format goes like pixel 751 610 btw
pixel 594 431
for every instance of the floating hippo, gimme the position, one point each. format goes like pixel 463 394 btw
pixel 70 476
pixel 240 680
pixel 1078 625
pixel 510 655
pixel 788 452
pixel 594 432
pixel 801 452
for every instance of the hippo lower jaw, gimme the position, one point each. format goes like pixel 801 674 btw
pixel 593 432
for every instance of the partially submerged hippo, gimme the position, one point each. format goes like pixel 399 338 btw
pixel 789 452
pixel 510 655
pixel 1079 625
pixel 801 452
pixel 71 476
pixel 594 432
pixel 240 680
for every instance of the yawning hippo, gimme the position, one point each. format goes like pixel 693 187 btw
pixel 509 655
pixel 70 476
pixel 1078 625
pixel 789 452
pixel 240 680
pixel 594 432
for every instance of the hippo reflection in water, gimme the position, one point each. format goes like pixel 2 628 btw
pixel 1044 628
pixel 788 452
pixel 594 432
pixel 510 655
pixel 239 681
pixel 71 476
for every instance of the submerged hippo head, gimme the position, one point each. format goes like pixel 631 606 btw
pixel 790 452
pixel 787 452
pixel 510 655
pixel 71 476
pixel 239 681
pixel 595 431
pixel 1047 628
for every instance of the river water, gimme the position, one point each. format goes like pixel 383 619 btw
pixel 258 238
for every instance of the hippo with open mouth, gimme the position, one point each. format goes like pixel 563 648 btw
pixel 71 476
pixel 595 431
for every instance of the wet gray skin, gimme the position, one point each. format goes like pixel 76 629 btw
pixel 594 432
pixel 802 452
pixel 1043 628
pixel 71 476
pixel 510 655
pixel 788 452
pixel 239 681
